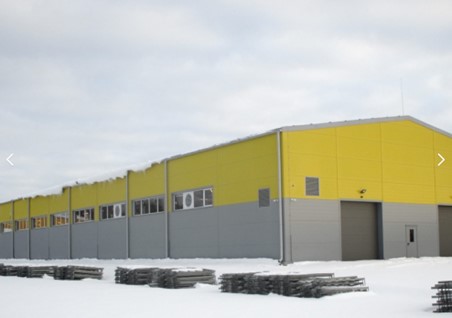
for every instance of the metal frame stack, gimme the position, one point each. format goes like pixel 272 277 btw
pixel 77 272
pixel 443 296
pixel 295 285
pixel 164 277
pixel 137 276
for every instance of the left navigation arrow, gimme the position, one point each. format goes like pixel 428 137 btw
pixel 9 159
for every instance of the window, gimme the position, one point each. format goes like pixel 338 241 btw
pixel 193 199
pixel 312 186
pixel 39 222
pixel 149 205
pixel 83 215
pixel 264 198
pixel 6 227
pixel 112 211
pixel 21 225
pixel 58 219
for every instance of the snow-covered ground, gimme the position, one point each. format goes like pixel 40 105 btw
pixel 398 288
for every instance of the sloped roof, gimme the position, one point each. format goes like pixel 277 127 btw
pixel 362 122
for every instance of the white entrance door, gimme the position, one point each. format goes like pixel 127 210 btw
pixel 411 241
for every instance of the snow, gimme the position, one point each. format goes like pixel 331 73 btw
pixel 398 288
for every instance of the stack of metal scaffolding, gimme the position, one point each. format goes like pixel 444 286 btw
pixel 77 272
pixel 295 285
pixel 181 277
pixel 443 296
pixel 35 271
pixel 137 276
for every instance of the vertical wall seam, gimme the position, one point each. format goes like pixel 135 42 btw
pixel 69 203
pixel 280 201
pixel 13 224
pixel 127 216
pixel 29 228
pixel 168 210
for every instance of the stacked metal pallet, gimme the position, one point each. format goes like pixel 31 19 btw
pixel 295 285
pixel 443 296
pixel 137 276
pixel 236 283
pixel 7 270
pixel 77 272
pixel 36 271
pixel 181 277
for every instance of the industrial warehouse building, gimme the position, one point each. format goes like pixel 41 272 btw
pixel 365 189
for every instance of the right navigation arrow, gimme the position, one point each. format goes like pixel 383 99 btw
pixel 442 159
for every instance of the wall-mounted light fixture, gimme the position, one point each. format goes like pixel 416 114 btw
pixel 362 191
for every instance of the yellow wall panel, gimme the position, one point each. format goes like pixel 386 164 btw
pixel 111 191
pixel 59 203
pixel 235 171
pixel 147 183
pixel 85 196
pixel 39 206
pixel 395 161
pixel 21 209
pixel 5 211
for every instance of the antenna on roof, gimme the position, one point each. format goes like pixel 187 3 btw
pixel 401 95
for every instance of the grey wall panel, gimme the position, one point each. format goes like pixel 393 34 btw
pixel 147 236
pixel 395 218
pixel 39 248
pixel 21 244
pixel 312 230
pixel 245 230
pixel 59 242
pixel 445 230
pixel 6 245
pixel 112 239
pixel 242 230
pixel 84 240
pixel 194 233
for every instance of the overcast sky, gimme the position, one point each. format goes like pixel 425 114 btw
pixel 91 86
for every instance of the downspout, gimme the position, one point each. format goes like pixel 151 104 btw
pixel 282 257
pixel 167 212
pixel 29 228
pixel 127 216
pixel 69 223
pixel 13 227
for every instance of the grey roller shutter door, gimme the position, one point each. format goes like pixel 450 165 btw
pixel 445 230
pixel 359 227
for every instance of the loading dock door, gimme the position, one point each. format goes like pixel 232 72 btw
pixel 359 227
pixel 445 230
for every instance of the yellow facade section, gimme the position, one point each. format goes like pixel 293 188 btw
pixel 39 206
pixel 85 196
pixel 59 202
pixel 20 209
pixel 149 182
pixel 111 191
pixel 443 172
pixel 394 161
pixel 6 211
pixel 235 171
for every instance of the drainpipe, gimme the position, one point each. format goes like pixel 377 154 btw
pixel 282 258
pixel 69 223
pixel 13 227
pixel 127 216
pixel 168 209
pixel 29 228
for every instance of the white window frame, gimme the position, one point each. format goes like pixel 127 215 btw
pixel 178 198
pixel 107 211
pixel 6 227
pixel 59 215
pixel 36 222
pixel 86 211
pixel 160 199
